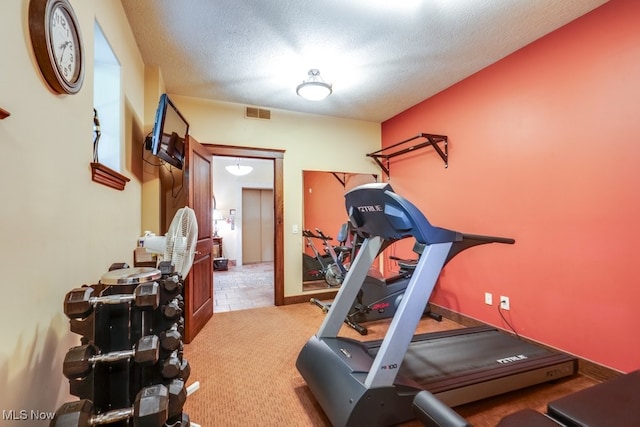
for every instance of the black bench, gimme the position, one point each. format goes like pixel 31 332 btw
pixel 613 403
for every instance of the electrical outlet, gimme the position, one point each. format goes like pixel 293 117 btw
pixel 488 298
pixel 504 303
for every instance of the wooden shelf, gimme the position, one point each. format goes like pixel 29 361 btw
pixel 107 176
pixel 217 247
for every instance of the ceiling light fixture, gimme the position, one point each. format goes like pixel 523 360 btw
pixel 314 88
pixel 238 170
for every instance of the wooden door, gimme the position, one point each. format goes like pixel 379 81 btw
pixel 199 286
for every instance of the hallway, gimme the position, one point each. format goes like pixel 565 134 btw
pixel 243 287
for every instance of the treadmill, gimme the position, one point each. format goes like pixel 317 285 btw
pixel 374 383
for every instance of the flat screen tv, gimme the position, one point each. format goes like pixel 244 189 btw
pixel 169 132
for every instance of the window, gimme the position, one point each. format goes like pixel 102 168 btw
pixel 107 101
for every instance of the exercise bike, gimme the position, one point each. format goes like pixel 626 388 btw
pixel 313 267
pixel 379 298
pixel 330 267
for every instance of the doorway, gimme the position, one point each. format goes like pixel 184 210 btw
pixel 232 218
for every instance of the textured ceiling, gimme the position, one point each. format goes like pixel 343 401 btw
pixel 381 56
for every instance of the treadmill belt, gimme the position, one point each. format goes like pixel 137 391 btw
pixel 466 364
pixel 431 360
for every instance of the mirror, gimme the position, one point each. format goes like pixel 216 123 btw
pixel 327 243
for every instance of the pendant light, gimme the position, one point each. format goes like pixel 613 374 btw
pixel 314 88
pixel 238 170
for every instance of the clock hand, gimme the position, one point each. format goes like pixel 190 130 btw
pixel 63 46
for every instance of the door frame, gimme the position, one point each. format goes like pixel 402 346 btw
pixel 277 156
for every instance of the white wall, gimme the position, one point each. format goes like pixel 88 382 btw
pixel 59 229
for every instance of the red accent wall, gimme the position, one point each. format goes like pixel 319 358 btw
pixel 323 206
pixel 324 202
pixel 545 148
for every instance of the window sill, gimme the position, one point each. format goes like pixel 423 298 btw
pixel 107 176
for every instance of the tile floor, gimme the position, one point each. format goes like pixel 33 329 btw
pixel 243 287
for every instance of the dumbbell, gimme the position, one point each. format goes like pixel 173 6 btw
pixel 84 328
pixel 150 409
pixel 175 366
pixel 171 339
pixel 180 325
pixel 171 285
pixel 79 361
pixel 166 268
pixel 177 397
pixel 173 309
pixel 184 421
pixel 185 369
pixel 79 302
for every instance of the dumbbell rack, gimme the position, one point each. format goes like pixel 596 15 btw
pixel 117 327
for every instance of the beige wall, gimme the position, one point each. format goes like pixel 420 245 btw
pixel 59 229
pixel 154 87
pixel 311 142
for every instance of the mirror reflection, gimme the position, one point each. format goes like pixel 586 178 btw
pixel 328 244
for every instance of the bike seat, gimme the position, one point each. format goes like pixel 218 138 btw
pixel 341 249
pixel 408 265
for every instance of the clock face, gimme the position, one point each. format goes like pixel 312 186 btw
pixel 57 44
pixel 64 44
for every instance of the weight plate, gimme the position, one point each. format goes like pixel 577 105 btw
pixel 130 276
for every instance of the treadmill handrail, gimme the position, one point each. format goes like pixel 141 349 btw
pixel 487 239
pixel 471 240
pixel 395 343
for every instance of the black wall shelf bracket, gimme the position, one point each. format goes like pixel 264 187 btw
pixel 343 180
pixel 401 148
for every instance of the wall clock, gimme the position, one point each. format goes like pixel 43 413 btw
pixel 57 44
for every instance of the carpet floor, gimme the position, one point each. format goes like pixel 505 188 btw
pixel 245 364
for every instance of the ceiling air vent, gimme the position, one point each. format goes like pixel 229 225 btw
pixel 257 113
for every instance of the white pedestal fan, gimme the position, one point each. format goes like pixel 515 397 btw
pixel 179 244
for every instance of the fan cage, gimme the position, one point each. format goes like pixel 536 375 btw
pixel 181 240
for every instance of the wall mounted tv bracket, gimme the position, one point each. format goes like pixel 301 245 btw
pixel 401 148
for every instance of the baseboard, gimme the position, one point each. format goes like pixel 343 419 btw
pixel 297 299
pixel 585 367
